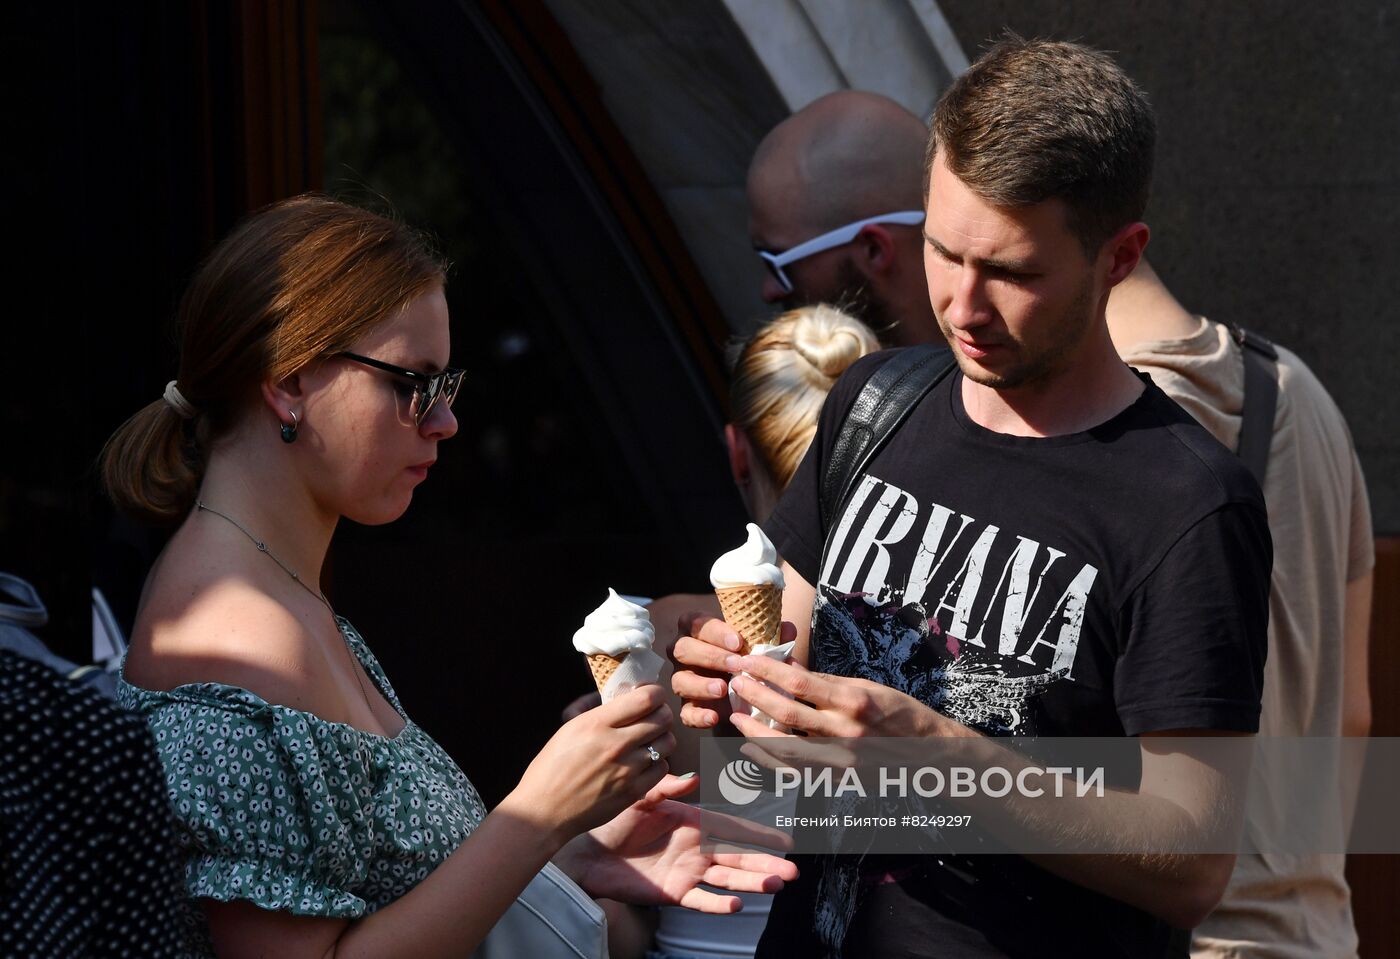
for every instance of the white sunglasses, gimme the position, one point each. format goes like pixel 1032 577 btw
pixel 836 237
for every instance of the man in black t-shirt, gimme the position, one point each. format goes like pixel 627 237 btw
pixel 1047 547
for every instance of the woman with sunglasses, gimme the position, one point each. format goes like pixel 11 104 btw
pixel 315 817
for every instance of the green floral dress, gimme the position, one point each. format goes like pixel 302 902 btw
pixel 293 812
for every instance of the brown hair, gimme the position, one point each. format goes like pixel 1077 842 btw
pixel 1034 120
pixel 781 378
pixel 295 281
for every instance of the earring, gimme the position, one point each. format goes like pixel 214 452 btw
pixel 289 430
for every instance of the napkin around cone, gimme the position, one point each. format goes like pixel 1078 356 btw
pixel 638 668
pixel 780 652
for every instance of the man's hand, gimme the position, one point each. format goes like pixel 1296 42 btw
pixel 834 706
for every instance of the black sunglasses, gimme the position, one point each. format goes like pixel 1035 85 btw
pixel 428 388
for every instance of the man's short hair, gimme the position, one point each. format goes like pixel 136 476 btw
pixel 1035 120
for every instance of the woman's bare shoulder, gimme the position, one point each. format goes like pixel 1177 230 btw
pixel 200 624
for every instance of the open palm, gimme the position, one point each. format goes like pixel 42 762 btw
pixel 657 852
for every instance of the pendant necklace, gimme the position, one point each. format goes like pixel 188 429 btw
pixel 262 547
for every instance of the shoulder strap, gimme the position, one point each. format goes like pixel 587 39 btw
pixel 1260 399
pixel 879 409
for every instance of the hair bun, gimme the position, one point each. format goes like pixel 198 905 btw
pixel 782 375
pixel 829 341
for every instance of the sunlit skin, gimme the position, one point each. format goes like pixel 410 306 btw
pixel 355 455
pixel 1022 306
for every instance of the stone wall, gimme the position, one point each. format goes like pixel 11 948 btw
pixel 1277 195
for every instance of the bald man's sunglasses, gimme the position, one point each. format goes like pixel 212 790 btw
pixel 837 237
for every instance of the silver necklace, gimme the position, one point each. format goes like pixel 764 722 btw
pixel 262 547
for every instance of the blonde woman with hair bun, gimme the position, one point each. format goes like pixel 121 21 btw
pixel 781 378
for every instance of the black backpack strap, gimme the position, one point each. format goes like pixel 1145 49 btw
pixel 879 409
pixel 1260 400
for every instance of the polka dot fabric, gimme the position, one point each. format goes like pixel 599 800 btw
pixel 88 865
pixel 292 812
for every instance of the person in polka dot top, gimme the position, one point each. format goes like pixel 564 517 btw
pixel 88 865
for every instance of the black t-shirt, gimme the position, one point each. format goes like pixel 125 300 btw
pixel 1105 583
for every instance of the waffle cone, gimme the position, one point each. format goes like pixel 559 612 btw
pixel 754 611
pixel 603 667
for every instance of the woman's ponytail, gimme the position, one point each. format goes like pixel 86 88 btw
pixel 150 467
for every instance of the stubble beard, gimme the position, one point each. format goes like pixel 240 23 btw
pixel 1036 361
pixel 854 297
pixel 859 300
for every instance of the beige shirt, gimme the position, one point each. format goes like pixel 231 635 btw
pixel 1319 515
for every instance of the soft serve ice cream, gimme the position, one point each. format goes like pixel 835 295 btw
pixel 749 586
pixel 753 564
pixel 610 633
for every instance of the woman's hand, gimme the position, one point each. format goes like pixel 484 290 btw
pixel 656 853
pixel 701 656
pixel 596 765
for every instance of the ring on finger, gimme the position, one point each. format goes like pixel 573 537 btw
pixel 651 752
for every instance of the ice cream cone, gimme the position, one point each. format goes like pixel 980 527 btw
pixel 615 630
pixel 755 612
pixel 603 667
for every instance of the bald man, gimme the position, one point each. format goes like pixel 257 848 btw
pixel 843 159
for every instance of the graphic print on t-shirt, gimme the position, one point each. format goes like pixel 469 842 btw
pixel 986 622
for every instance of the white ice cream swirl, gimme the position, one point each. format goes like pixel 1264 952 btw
pixel 753 564
pixel 615 629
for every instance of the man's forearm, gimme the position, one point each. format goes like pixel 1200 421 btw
pixel 1151 862
pixel 1179 889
